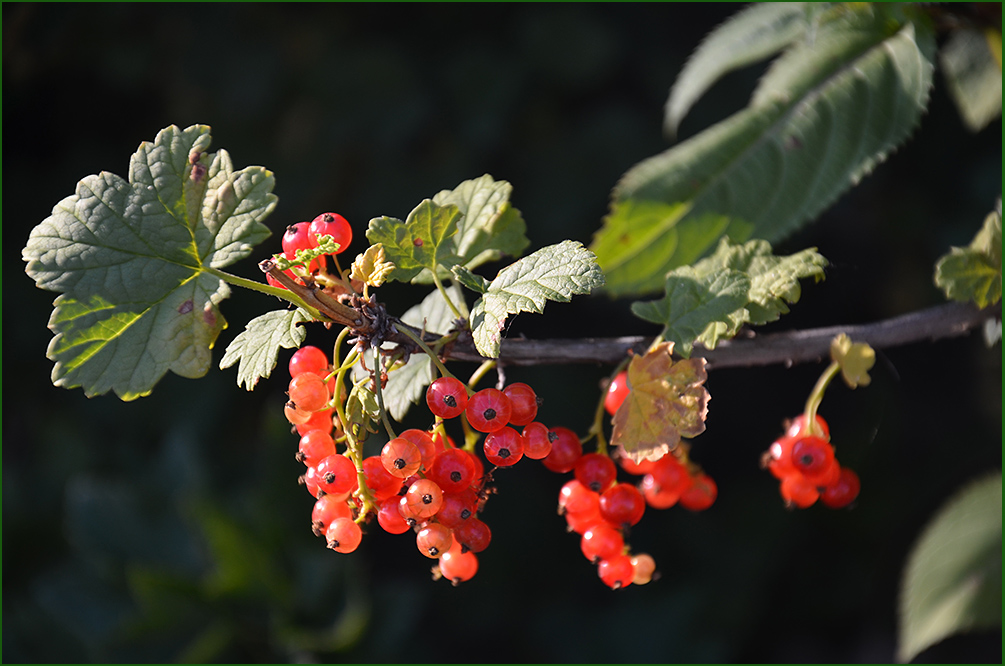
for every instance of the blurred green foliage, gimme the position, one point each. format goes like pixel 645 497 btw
pixel 172 528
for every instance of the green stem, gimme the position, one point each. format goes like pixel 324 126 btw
pixel 429 352
pixel 480 373
pixel 278 292
pixel 378 389
pixel 817 396
pixel 446 297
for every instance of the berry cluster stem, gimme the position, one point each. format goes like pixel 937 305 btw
pixel 817 396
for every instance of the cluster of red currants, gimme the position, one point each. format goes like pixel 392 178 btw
pixel 803 460
pixel 304 236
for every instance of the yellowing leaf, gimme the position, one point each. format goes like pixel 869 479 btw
pixel 667 401
pixel 372 267
pixel 855 359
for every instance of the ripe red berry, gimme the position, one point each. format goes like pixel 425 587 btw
pixel 537 443
pixel 645 568
pixel 296 238
pixel 334 225
pixel 422 440
pixel 670 475
pixel 308 359
pixel 575 497
pixel 308 392
pixel 390 518
pixel 813 457
pixel 843 492
pixel 294 414
pixel 457 565
pixel 622 504
pixel 566 449
pixel 700 494
pixel 380 482
pixel 315 445
pixel 344 536
pixel 453 470
pixel 401 458
pixel 326 509
pixel 616 572
pixel 798 492
pixel 504 447
pixel 596 471
pixel 457 507
pixel 601 542
pixel 473 535
pixel 523 401
pixel 798 427
pixel 655 495
pixel 447 397
pixel 617 391
pixel 640 468
pixel 488 410
pixel 424 498
pixel 319 420
pixel 337 475
pixel 434 539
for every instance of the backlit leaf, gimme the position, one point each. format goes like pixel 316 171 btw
pixel 974 273
pixel 134 262
pixel 420 242
pixel 256 348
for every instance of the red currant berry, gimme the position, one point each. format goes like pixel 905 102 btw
pixel 601 542
pixel 334 225
pixel 295 415
pixel 453 470
pixel 457 507
pixel 473 535
pixel 504 447
pixel 596 471
pixel 813 457
pixel 645 568
pixel 700 494
pixel 434 540
pixel 315 445
pixel 523 402
pixel 309 392
pixel 640 468
pixel 488 410
pixel 296 238
pixel 308 359
pixel 326 509
pixel 390 518
pixel 422 440
pixel 798 492
pixel 617 391
pixel 616 572
pixel 622 504
pixel 447 397
pixel 380 482
pixel 670 475
pixel 319 420
pixel 779 457
pixel 537 444
pixel 310 480
pixel 843 492
pixel 566 450
pixel 574 497
pixel 580 522
pixel 424 498
pixel 344 535
pixel 655 495
pixel 401 458
pixel 337 475
pixel 457 565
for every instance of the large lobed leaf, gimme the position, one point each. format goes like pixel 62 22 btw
pixel 553 273
pixel 735 286
pixel 133 261
pixel 953 578
pixel 827 111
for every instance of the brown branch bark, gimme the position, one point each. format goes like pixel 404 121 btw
pixel 941 321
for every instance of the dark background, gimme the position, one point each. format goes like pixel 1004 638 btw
pixel 173 528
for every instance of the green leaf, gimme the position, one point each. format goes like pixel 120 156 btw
pixel 135 262
pixel 256 348
pixel 362 408
pixel 694 301
pixel 407 385
pixel 974 273
pixel 824 115
pixel 855 360
pixel 974 75
pixel 556 273
pixel 472 281
pixel 490 227
pixel 419 242
pixel 751 35
pixel 952 582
